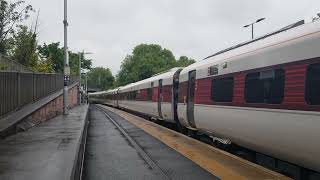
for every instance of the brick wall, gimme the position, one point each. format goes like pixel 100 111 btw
pixel 54 108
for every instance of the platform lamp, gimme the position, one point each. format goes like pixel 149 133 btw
pixel 86 83
pixel 80 59
pixel 251 24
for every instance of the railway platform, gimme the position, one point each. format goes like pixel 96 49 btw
pixel 123 146
pixel 100 142
pixel 52 150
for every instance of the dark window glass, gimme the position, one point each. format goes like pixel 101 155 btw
pixel 313 84
pixel 130 96
pixel 222 89
pixel 149 94
pixel 192 83
pixel 134 95
pixel 265 87
pixel 213 70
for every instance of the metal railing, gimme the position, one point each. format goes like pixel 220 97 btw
pixel 9 65
pixel 19 89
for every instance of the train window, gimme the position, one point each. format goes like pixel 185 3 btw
pixel 149 94
pixel 222 89
pixel 130 95
pixel 134 95
pixel 265 87
pixel 313 84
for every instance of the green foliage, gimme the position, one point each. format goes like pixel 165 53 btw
pixel 11 14
pixel 44 66
pixel 100 78
pixel 20 43
pixel 25 47
pixel 147 60
pixel 4 66
pixel 74 62
pixel 55 54
pixel 184 61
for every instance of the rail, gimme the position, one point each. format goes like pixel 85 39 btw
pixel 18 89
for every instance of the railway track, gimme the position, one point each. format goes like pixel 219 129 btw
pixel 142 153
pixel 116 149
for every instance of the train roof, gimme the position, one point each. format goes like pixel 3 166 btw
pixel 112 90
pixel 98 93
pixel 146 83
pixel 284 35
pixel 104 92
pixel 299 23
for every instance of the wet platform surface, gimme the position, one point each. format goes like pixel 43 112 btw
pixel 110 154
pixel 47 151
pixel 182 157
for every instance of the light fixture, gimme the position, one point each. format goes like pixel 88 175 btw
pixel 251 24
pixel 261 19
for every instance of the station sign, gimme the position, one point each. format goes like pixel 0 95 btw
pixel 66 80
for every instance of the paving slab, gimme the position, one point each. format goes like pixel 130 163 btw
pixel 48 151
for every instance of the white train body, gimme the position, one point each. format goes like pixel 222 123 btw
pixel 281 121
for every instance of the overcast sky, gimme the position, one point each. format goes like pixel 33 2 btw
pixel 196 28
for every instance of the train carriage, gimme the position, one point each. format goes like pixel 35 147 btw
pixel 263 95
pixel 153 97
pixel 104 97
pixel 97 97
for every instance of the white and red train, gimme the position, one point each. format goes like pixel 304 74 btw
pixel 263 95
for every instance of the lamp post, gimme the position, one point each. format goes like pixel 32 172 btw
pixel 80 54
pixel 66 60
pixel 87 87
pixel 86 84
pixel 80 59
pixel 251 24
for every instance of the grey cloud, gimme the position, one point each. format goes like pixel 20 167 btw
pixel 111 28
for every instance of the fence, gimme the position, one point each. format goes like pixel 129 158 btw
pixel 18 89
pixel 10 65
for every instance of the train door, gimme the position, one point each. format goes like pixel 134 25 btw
pixel 160 97
pixel 117 98
pixel 175 98
pixel 113 99
pixel 190 98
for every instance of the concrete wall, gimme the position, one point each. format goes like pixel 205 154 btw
pixel 54 108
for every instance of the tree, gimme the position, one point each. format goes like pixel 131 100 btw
pixel 74 62
pixel 184 61
pixel 55 54
pixel 100 78
pixel 25 47
pixel 44 66
pixel 11 14
pixel 145 61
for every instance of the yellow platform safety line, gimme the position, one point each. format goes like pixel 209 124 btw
pixel 219 163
